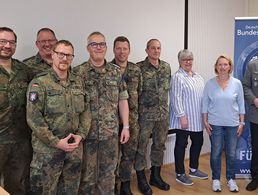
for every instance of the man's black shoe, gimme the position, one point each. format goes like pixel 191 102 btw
pixel 252 185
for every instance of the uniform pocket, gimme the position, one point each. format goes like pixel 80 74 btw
pixel 55 101
pixel 112 90
pixel 78 100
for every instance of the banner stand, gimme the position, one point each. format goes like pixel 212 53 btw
pixel 246 50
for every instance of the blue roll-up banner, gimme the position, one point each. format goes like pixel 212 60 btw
pixel 246 50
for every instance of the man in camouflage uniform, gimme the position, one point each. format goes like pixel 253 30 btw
pixel 42 61
pixel 15 147
pixel 107 95
pixel 153 116
pixel 133 78
pixel 58 113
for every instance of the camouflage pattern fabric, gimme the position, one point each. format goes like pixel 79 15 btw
pixel 54 110
pixel 57 172
pixel 13 165
pixel 153 103
pixel 153 112
pixel 99 162
pixel 14 132
pixel 13 87
pixel 36 65
pixel 159 131
pixel 106 88
pixel 133 79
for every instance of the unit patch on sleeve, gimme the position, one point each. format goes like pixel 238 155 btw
pixel 33 96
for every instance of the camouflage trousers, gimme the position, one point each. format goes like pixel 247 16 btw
pixel 57 172
pixel 159 131
pixel 99 164
pixel 128 151
pixel 14 165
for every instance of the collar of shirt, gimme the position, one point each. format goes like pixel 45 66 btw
pixel 185 73
pixel 39 59
pixel 71 76
pixel 103 69
pixel 146 61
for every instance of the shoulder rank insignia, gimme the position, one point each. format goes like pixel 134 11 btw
pixel 33 96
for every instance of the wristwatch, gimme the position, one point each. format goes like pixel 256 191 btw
pixel 126 127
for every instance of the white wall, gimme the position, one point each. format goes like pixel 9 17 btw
pixel 75 20
pixel 211 30
pixel 253 8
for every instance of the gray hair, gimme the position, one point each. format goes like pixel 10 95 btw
pixel 183 54
pixel 94 33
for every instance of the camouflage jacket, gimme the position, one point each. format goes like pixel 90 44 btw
pixel 56 109
pixel 133 78
pixel 153 103
pixel 13 87
pixel 106 88
pixel 36 65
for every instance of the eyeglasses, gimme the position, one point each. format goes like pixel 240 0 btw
pixel 3 42
pixel 43 42
pixel 96 45
pixel 187 60
pixel 61 55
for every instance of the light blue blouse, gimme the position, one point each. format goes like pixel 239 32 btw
pixel 223 106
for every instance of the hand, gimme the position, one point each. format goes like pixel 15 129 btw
pixel 184 122
pixel 256 102
pixel 240 130
pixel 77 139
pixel 64 144
pixel 125 135
pixel 207 127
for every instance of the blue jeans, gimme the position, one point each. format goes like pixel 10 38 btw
pixel 226 137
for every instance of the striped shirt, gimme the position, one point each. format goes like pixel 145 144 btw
pixel 185 100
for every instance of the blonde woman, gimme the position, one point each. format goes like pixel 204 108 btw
pixel 223 115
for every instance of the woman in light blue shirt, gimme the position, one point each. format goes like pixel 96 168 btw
pixel 223 116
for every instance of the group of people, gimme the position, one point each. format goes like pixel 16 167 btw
pixel 78 130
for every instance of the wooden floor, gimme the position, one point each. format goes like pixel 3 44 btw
pixel 200 187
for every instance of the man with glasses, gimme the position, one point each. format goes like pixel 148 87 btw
pixel 58 112
pixel 108 94
pixel 14 134
pixel 42 61
pixel 133 78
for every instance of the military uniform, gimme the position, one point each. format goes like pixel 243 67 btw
pixel 250 85
pixel 133 79
pixel 36 65
pixel 14 132
pixel 153 112
pixel 106 88
pixel 54 110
